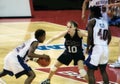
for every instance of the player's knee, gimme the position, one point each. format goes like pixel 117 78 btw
pixel 53 68
pixel 32 75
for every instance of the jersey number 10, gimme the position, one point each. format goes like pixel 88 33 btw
pixel 72 49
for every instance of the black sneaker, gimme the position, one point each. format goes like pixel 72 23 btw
pixel 47 81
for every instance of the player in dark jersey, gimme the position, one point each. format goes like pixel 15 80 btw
pixel 73 50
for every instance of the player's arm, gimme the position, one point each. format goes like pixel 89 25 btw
pixel 31 52
pixel 109 36
pixel 56 37
pixel 114 4
pixel 84 6
pixel 82 33
pixel 90 27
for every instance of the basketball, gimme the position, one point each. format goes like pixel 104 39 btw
pixel 44 62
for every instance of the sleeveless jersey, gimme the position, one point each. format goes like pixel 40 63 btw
pixel 73 44
pixel 22 50
pixel 100 32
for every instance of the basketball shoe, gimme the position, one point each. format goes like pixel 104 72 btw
pixel 82 72
pixel 47 81
pixel 115 65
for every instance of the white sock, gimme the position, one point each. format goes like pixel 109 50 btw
pixel 82 72
pixel 119 59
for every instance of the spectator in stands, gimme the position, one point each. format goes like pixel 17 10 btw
pixel 114 14
pixel 101 3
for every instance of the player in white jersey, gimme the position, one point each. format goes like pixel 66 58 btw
pixel 15 63
pixel 99 37
pixel 101 3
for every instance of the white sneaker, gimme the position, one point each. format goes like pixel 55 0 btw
pixel 2 82
pixel 82 72
pixel 115 65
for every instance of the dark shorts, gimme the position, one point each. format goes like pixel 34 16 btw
pixel 66 57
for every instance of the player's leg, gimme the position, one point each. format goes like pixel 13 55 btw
pixel 82 71
pixel 64 58
pixel 53 69
pixel 30 76
pixel 22 68
pixel 103 63
pixel 91 77
pixel 79 61
pixel 79 58
pixel 104 74
pixel 92 62
pixel 2 73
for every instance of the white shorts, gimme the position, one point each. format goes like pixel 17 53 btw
pixel 12 63
pixel 99 55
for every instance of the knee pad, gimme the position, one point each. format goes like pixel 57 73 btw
pixel 82 72
pixel 53 68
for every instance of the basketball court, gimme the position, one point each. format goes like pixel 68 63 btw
pixel 14 33
pixel 15 29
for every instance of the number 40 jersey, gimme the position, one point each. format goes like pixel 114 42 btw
pixel 100 32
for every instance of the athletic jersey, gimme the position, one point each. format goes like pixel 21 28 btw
pixel 98 2
pixel 100 32
pixel 22 50
pixel 73 44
